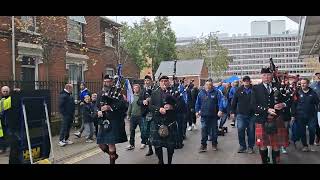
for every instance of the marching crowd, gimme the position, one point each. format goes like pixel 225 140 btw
pixel 270 115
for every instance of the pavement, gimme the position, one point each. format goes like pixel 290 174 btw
pixel 61 153
pixel 226 154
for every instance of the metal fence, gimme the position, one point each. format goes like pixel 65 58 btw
pixel 56 87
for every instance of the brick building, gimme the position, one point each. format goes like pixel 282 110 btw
pixel 188 69
pixel 50 48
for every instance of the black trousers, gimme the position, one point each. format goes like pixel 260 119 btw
pixel 318 132
pixel 134 122
pixel 65 128
pixel 14 149
pixel 191 118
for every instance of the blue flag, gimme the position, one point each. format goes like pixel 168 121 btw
pixel 129 91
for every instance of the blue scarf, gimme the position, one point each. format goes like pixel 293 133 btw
pixel 247 90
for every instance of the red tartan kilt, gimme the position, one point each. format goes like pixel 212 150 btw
pixel 281 138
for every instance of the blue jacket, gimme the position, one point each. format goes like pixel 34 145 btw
pixel 232 92
pixel 83 93
pixel 307 104
pixel 209 103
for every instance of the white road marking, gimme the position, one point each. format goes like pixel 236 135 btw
pixel 83 156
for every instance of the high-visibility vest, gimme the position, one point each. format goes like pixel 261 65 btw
pixel 5 104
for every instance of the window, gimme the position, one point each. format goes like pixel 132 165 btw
pixel 28 23
pixel 75 74
pixel 75 28
pixel 110 71
pixel 109 38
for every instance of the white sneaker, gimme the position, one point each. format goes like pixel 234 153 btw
pixel 283 150
pixel 68 142
pixel 62 143
pixel 130 147
pixel 312 148
pixel 89 141
pixel 142 146
pixel 78 134
pixel 190 128
pixel 305 149
pixel 194 126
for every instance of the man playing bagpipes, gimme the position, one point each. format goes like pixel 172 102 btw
pixel 269 104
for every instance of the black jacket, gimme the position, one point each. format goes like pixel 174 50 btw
pixel 143 96
pixel 158 101
pixel 66 104
pixel 306 105
pixel 262 101
pixel 194 95
pixel 88 112
pixel 119 108
pixel 241 102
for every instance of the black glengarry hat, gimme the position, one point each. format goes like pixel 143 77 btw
pixel 163 77
pixel 246 78
pixel 148 77
pixel 265 70
pixel 107 77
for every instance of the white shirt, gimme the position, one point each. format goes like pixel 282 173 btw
pixel 266 86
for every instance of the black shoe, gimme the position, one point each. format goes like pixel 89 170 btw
pixel 203 148
pixel 149 153
pixel 233 124
pixel 242 150
pixel 225 129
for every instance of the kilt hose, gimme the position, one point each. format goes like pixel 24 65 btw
pixel 280 138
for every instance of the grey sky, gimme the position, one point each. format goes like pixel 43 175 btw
pixel 186 26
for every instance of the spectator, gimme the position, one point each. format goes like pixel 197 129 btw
pixel 235 86
pixel 83 92
pixel 134 116
pixel 95 120
pixel 88 116
pixel 10 130
pixel 315 86
pixel 209 107
pixel 67 109
pixel 304 111
pixel 245 115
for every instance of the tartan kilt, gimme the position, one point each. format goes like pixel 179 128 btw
pixel 169 141
pixel 145 128
pixel 281 138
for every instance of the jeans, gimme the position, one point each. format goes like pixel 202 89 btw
pixel 134 122
pixel 223 120
pixel 311 123
pixel 245 122
pixel 209 126
pixel 89 126
pixel 65 127
pixel 81 118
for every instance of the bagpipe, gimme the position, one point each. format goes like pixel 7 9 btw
pixel 112 96
pixel 281 87
pixel 282 94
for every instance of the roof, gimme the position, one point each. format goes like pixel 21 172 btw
pixel 184 67
pixel 309 35
pixel 108 20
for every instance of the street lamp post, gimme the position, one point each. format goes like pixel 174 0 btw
pixel 210 54
pixel 210 57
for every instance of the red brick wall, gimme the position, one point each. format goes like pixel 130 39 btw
pixel 204 72
pixel 55 28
